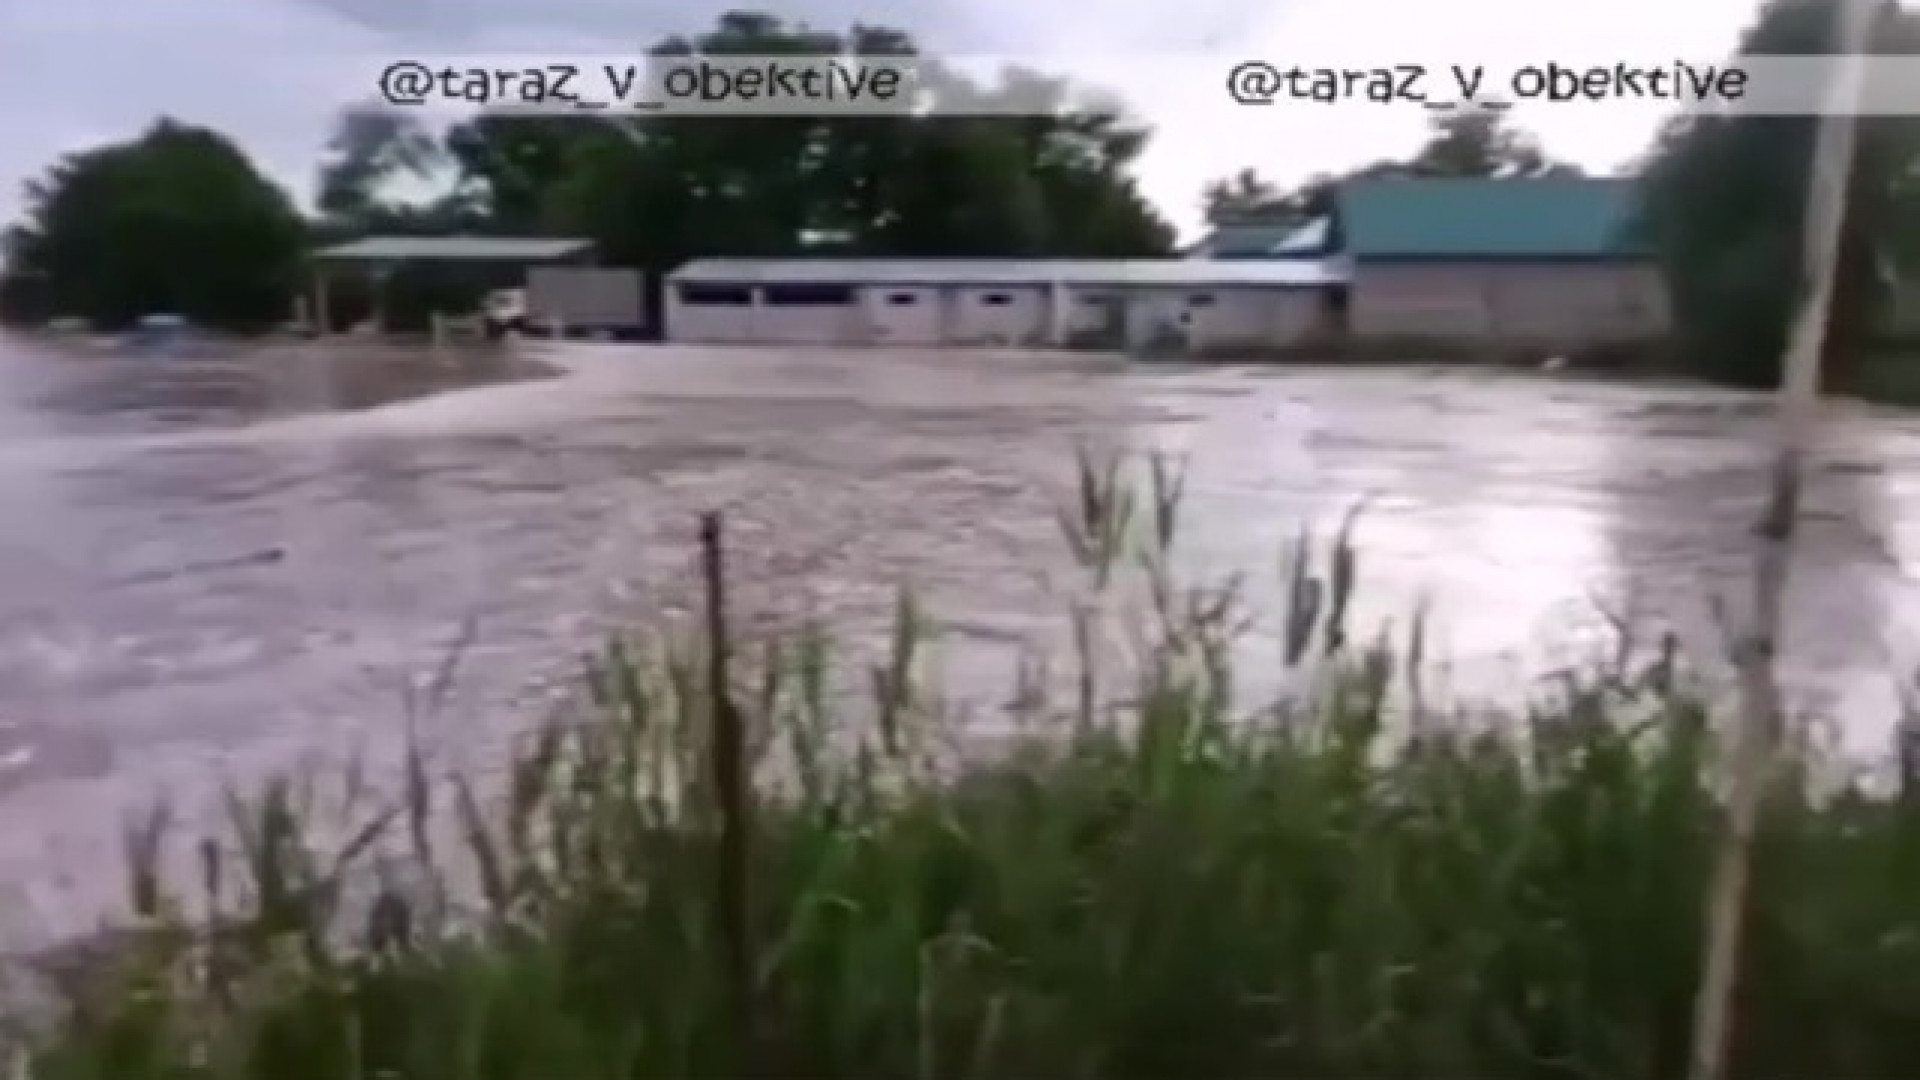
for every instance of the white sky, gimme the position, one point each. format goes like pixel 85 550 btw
pixel 273 72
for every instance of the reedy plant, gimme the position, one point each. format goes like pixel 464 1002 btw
pixel 1163 882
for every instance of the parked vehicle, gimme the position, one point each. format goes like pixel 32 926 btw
pixel 504 311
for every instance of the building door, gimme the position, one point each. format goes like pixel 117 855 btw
pixel 905 315
pixel 1001 316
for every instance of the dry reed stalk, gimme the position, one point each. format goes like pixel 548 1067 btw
pixel 1761 720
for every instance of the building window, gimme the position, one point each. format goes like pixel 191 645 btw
pixel 1200 300
pixel 902 299
pixel 996 299
pixel 716 295
pixel 809 295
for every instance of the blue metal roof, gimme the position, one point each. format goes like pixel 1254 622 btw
pixel 453 249
pixel 1544 218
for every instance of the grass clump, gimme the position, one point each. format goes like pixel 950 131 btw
pixel 1169 883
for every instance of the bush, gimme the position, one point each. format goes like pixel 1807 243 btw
pixel 1345 881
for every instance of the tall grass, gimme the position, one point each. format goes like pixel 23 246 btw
pixel 1165 883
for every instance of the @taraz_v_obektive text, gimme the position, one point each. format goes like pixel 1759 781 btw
pixel 659 84
pixel 1263 82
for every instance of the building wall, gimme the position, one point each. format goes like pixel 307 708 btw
pixel 586 297
pixel 1548 303
pixel 806 324
pixel 903 314
pixel 1241 317
pixel 750 315
pixel 707 321
pixel 1247 317
pixel 995 315
pixel 1001 316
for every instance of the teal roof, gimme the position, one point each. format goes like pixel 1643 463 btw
pixel 453 249
pixel 1447 218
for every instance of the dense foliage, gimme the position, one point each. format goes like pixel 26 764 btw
pixel 650 191
pixel 176 221
pixel 1723 198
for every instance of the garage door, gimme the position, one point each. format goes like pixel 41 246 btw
pixel 905 315
pixel 999 316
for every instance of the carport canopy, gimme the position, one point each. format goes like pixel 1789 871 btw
pixel 380 254
pixel 502 249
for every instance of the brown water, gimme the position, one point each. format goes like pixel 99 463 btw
pixel 205 573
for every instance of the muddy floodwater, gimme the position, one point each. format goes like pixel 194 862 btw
pixel 217 564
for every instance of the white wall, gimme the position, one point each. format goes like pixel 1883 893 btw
pixel 904 314
pixel 706 324
pixel 1251 317
pixel 1224 317
pixel 1095 312
pixel 1157 318
pixel 1562 303
pixel 808 324
pixel 994 315
pixel 759 322
pixel 589 296
pixel 967 315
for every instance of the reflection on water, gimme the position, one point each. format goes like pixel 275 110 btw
pixel 207 570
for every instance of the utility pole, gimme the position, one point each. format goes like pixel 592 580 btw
pixel 1761 721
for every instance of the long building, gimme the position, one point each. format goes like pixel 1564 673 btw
pixel 1192 304
pixel 1551 262
pixel 1547 263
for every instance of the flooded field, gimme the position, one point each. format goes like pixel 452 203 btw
pixel 214 566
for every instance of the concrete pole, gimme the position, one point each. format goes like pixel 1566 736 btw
pixel 1761 721
pixel 1058 297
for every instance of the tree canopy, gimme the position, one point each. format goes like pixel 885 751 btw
pixel 1471 141
pixel 177 220
pixel 1724 199
pixel 651 191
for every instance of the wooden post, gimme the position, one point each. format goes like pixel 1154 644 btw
pixel 322 312
pixel 733 799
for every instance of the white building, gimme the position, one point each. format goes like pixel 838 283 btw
pixel 1173 303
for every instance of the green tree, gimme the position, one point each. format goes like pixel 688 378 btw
pixel 1473 141
pixel 371 147
pixel 373 150
pixel 655 191
pixel 1723 197
pixel 176 221
pixel 1477 141
pixel 1244 196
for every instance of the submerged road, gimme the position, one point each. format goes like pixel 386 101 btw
pixel 220 569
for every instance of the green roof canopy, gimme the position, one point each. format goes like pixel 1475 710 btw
pixel 453 249
pixel 1446 218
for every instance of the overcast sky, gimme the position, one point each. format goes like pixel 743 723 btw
pixel 272 73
